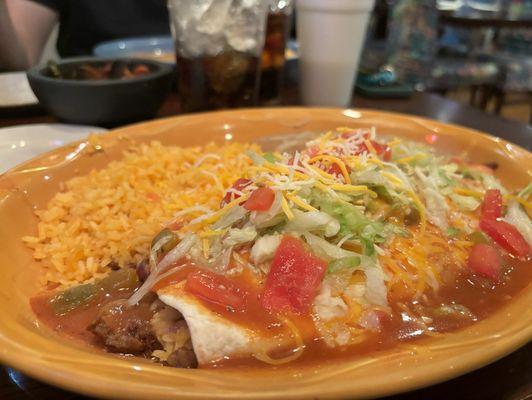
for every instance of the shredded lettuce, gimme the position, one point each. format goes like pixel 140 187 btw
pixel 264 248
pixel 371 177
pixel 239 236
pixel 232 216
pixel 347 262
pixel 352 221
pixel 452 232
pixel 527 191
pixel 518 218
pixel 268 156
pixel 465 203
pixel 375 181
pixel 436 208
pixel 435 204
pixel 256 158
pixel 478 237
pixel 327 250
pixel 313 221
pixel 272 217
pixel 376 292
pixel 490 182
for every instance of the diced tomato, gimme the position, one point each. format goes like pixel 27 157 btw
pixel 294 278
pixel 383 150
pixel 261 199
pixel 239 184
pixel 492 204
pixel 347 135
pixel 313 151
pixel 334 169
pixel 484 260
pixel 507 236
pixel 362 148
pixel 387 155
pixel 216 289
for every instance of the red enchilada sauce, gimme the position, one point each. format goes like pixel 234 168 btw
pixel 459 303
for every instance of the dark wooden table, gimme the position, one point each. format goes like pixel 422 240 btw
pixel 420 104
pixel 484 19
pixel 507 379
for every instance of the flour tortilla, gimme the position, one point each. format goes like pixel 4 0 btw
pixel 214 337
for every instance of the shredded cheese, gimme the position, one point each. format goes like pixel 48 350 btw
pixel 415 157
pixel 286 208
pixel 217 215
pixel 375 161
pixel 468 192
pixel 422 211
pixel 210 233
pixel 520 200
pixel 370 147
pixel 336 161
pixel 394 180
pixel 394 142
pixel 322 173
pixel 206 247
pixel 353 188
pixel 205 157
pixel 215 179
pixel 298 201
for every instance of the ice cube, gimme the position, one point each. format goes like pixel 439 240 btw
pixel 212 21
pixel 191 42
pixel 250 3
pixel 184 12
pixel 244 29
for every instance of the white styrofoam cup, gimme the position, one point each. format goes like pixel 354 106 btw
pixel 331 35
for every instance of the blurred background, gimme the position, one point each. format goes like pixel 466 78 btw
pixel 477 52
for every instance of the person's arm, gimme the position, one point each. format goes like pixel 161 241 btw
pixel 24 29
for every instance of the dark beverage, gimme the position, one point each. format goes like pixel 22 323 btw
pixel 273 59
pixel 228 80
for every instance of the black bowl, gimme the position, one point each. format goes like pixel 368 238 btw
pixel 110 101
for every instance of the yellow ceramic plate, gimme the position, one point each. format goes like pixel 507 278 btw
pixel 35 350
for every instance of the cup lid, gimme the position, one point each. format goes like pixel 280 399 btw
pixel 336 5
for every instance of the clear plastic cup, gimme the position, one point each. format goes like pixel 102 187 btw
pixel 331 35
pixel 218 47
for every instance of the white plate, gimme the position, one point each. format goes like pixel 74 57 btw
pixel 20 143
pixel 158 48
pixel 15 91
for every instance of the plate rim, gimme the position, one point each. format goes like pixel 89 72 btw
pixel 69 379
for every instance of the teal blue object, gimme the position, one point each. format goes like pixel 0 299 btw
pixel 384 77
